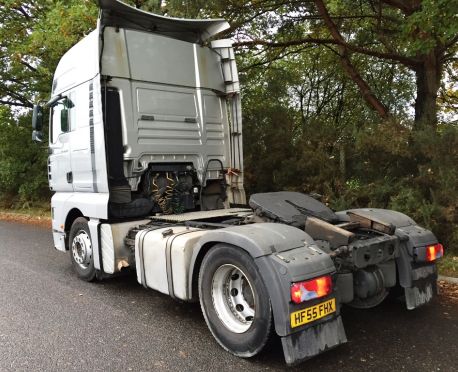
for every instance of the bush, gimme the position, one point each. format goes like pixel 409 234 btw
pixel 386 166
pixel 23 164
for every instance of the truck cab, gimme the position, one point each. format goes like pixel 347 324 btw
pixel 146 165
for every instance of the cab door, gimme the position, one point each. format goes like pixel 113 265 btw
pixel 60 171
pixel 80 143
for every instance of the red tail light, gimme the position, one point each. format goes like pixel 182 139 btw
pixel 311 289
pixel 433 252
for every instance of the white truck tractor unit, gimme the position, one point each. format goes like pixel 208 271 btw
pixel 146 166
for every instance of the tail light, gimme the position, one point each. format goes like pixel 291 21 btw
pixel 434 252
pixel 311 289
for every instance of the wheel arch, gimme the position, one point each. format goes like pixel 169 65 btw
pixel 195 269
pixel 265 242
pixel 197 264
pixel 257 240
pixel 72 215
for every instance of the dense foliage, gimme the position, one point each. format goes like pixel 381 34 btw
pixel 355 101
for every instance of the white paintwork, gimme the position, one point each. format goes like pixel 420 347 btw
pixel 112 243
pixel 89 204
pixel 79 64
pixel 77 78
pixel 152 246
pixel 150 250
pixel 59 240
pixel 182 250
pixel 93 224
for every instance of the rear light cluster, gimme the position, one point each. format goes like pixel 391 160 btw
pixel 434 252
pixel 311 289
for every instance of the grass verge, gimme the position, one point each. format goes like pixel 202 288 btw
pixel 35 216
pixel 448 265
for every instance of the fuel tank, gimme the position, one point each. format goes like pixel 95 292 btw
pixel 163 258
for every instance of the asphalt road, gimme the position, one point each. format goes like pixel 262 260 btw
pixel 51 321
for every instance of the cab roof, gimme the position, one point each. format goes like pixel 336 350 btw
pixel 118 14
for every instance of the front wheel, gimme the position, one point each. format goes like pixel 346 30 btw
pixel 235 301
pixel 81 252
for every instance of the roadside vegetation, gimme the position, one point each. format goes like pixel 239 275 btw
pixel 355 102
pixel 448 266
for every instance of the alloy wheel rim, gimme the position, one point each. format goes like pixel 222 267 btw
pixel 82 249
pixel 233 298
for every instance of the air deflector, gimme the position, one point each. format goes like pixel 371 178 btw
pixel 117 14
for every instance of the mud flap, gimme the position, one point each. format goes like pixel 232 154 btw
pixel 312 341
pixel 423 287
pixel 421 293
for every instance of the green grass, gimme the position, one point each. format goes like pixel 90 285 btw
pixel 448 266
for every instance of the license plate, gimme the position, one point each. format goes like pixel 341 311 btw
pixel 313 313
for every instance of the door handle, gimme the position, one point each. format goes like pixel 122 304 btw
pixel 70 177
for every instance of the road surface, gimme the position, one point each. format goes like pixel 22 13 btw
pixel 51 321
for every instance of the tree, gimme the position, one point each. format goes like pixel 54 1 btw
pixel 34 35
pixel 17 70
pixel 22 167
pixel 420 35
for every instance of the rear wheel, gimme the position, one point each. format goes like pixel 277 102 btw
pixel 80 247
pixel 235 301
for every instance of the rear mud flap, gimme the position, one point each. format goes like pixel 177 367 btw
pixel 300 346
pixel 421 293
pixel 423 288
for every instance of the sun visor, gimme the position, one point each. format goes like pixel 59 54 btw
pixel 117 14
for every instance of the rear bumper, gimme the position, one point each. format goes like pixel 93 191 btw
pixel 314 340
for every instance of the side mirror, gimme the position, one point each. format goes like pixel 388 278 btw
pixel 37 118
pixel 37 123
pixel 64 120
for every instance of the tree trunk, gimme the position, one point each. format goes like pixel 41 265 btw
pixel 428 77
pixel 367 93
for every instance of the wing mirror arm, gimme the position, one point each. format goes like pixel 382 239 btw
pixel 53 101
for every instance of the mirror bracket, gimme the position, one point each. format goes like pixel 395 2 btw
pixel 37 136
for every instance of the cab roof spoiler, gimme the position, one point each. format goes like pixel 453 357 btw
pixel 117 14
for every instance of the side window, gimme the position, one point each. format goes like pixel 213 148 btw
pixel 61 116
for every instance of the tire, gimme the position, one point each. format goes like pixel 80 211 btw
pixel 235 301
pixel 80 247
